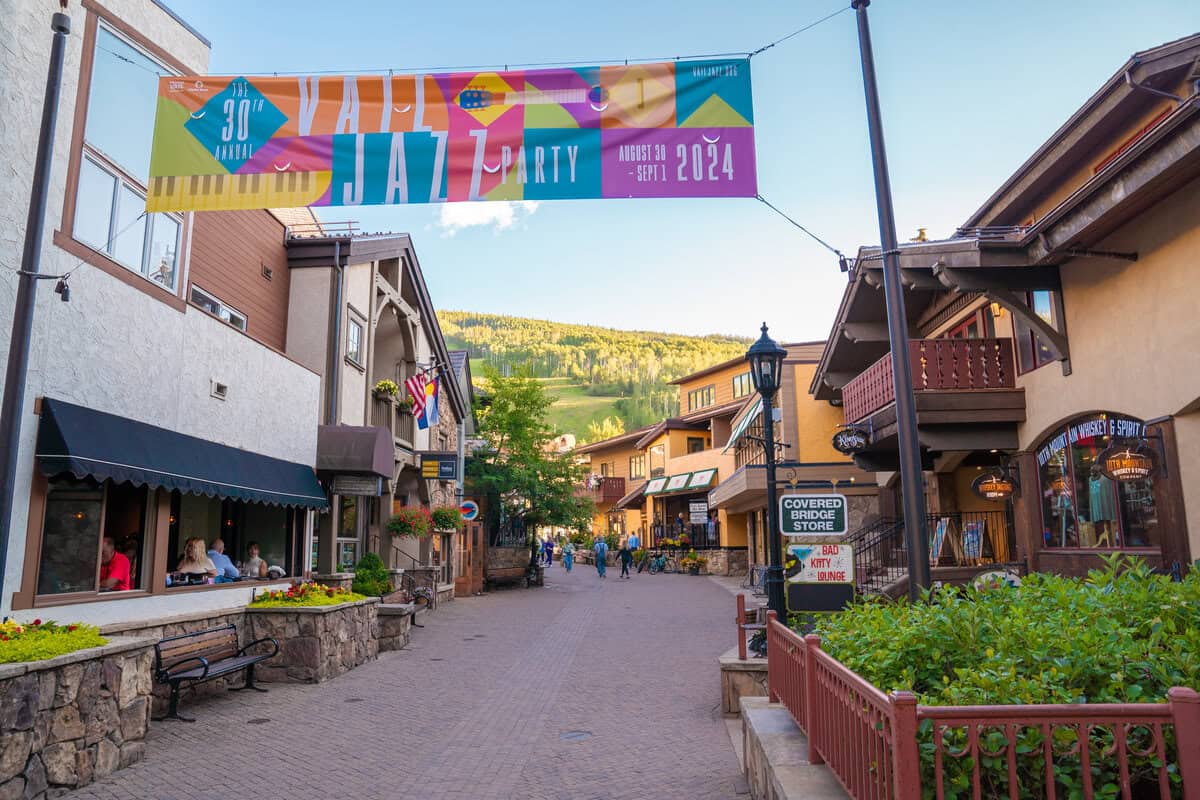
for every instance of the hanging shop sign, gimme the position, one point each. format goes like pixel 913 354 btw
pixel 439 466
pixel 812 514
pixel 469 510
pixel 849 441
pixel 997 485
pixel 357 485
pixel 697 512
pixel 1128 462
pixel 672 129
pixel 819 563
pixel 818 577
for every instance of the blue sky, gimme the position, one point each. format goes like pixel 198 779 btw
pixel 969 90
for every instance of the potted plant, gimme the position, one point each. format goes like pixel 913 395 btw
pixel 405 403
pixel 411 521
pixel 386 390
pixel 693 563
pixel 446 519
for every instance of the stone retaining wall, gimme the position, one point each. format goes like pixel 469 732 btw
pixel 315 643
pixel 70 720
pixel 395 623
pixel 727 561
pixel 741 679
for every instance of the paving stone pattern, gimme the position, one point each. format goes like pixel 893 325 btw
pixel 582 689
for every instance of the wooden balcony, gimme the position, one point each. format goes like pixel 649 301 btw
pixel 388 414
pixel 937 365
pixel 609 490
pixel 964 391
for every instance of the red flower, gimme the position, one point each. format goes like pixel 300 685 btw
pixel 37 622
pixel 72 627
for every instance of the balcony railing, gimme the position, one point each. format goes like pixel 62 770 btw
pixel 937 365
pixel 699 536
pixel 386 413
pixel 406 426
pixel 889 747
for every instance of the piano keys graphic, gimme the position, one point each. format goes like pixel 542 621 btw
pixel 212 192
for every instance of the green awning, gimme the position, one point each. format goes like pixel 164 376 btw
pixel 744 423
pixel 682 482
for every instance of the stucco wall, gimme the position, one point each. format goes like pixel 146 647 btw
pixel 115 348
pixel 1133 331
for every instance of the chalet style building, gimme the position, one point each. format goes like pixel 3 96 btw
pixel 1053 342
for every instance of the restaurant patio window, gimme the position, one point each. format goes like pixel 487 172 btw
pixel 1081 507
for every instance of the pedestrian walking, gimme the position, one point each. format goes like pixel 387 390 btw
pixel 568 553
pixel 712 529
pixel 634 542
pixel 626 556
pixel 548 551
pixel 601 548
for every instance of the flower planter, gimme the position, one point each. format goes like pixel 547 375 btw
pixel 316 643
pixel 693 570
pixel 73 719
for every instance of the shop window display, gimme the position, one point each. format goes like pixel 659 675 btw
pixel 1081 507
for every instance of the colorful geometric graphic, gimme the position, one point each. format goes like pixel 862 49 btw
pixel 678 129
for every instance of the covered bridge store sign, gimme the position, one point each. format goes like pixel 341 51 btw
pixel 812 514
pixel 677 129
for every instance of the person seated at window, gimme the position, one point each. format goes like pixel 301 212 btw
pixel 195 560
pixel 254 566
pixel 224 564
pixel 114 568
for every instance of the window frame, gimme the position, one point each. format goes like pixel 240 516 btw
pixel 222 304
pixel 638 471
pixel 354 317
pixel 692 441
pixel 705 394
pixel 743 385
pixel 63 237
pixel 1026 346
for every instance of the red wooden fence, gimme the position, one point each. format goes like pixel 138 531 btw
pixel 937 365
pixel 872 741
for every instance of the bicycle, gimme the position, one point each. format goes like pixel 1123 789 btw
pixel 661 563
pixel 756 579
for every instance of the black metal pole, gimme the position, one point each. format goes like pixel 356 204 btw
pixel 775 598
pixel 11 412
pixel 915 529
pixel 335 335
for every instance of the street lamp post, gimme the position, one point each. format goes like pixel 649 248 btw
pixel 912 490
pixel 766 367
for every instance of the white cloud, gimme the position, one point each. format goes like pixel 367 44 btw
pixel 454 217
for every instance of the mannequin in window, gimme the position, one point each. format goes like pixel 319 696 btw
pixel 1103 508
pixel 1065 508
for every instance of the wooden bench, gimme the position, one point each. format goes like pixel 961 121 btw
pixel 512 575
pixel 192 658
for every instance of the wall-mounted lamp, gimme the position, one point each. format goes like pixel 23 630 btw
pixel 997 311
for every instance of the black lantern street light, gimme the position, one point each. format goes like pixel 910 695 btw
pixel 766 368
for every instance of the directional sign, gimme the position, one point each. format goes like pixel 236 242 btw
pixel 469 510
pixel 439 466
pixel 812 514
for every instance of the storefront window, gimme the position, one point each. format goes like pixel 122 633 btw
pixel 257 539
pixel 93 537
pixel 348 538
pixel 1080 506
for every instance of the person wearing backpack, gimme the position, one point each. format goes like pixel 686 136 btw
pixel 601 548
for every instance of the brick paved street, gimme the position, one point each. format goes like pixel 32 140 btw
pixel 478 705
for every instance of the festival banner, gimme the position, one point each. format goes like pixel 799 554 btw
pixel 676 129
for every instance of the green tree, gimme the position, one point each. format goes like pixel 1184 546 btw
pixel 519 464
pixel 604 429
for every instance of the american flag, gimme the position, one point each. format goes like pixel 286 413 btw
pixel 416 390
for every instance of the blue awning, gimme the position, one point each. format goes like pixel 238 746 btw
pixel 87 443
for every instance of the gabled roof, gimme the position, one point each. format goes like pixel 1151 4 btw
pixel 613 441
pixel 800 350
pixel 672 424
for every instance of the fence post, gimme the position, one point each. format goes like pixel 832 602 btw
pixel 812 643
pixel 772 647
pixel 906 754
pixel 741 634
pixel 1185 710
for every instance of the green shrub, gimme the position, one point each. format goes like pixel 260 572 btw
pixel 371 577
pixel 1121 635
pixel 305 594
pixel 38 641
